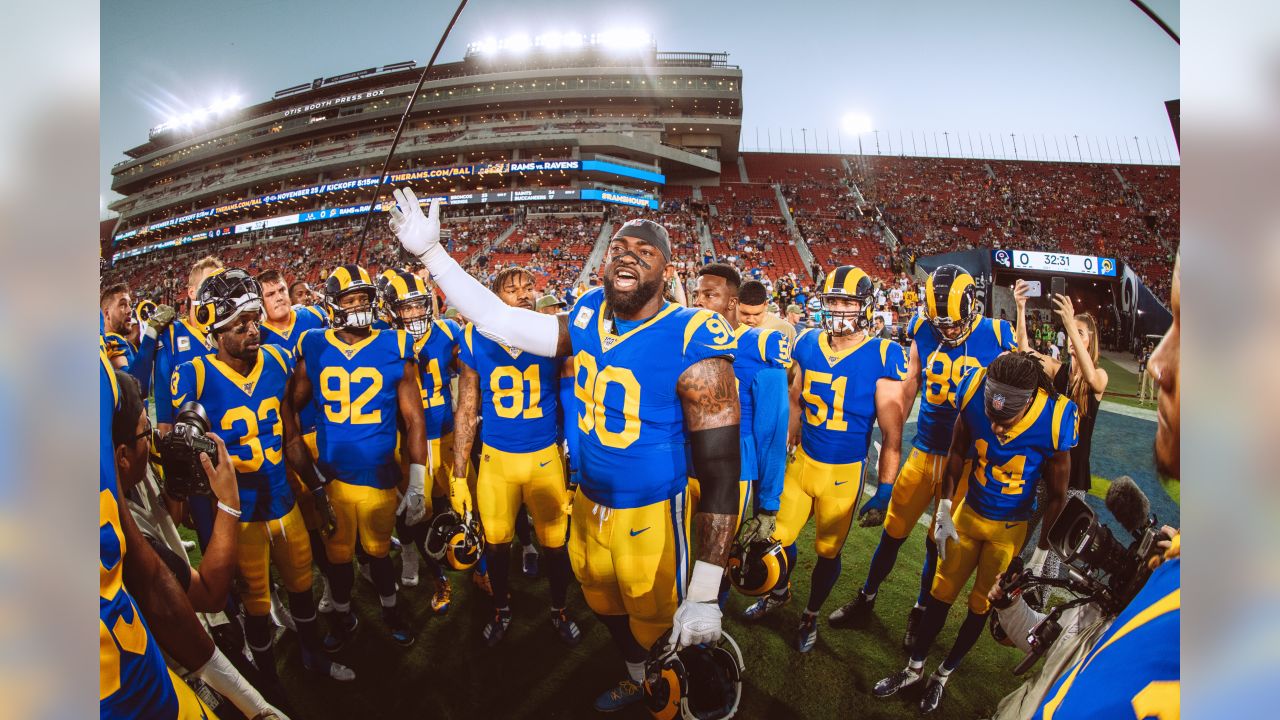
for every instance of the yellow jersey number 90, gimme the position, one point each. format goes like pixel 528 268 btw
pixel 590 386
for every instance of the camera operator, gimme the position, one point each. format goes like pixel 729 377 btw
pixel 156 591
pixel 1134 668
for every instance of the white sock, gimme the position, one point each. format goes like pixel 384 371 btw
pixel 530 549
pixel 869 596
pixel 915 666
pixel 341 607
pixel 388 601
pixel 941 674
pixel 636 671
pixel 917 606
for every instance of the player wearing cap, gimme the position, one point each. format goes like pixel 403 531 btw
pixel 650 377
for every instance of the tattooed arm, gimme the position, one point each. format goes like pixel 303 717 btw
pixel 709 397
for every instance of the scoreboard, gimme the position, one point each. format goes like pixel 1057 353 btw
pixel 1063 263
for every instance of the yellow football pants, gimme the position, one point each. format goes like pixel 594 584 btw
pixel 537 480
pixel 987 545
pixel 632 561
pixel 285 543
pixel 361 509
pixel 830 492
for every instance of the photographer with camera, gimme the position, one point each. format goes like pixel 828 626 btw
pixel 134 578
pixel 240 390
pixel 1134 668
pixel 1014 431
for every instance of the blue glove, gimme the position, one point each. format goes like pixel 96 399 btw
pixel 879 501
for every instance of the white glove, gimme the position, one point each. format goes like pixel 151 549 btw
pixel 222 676
pixel 414 502
pixel 419 234
pixel 697 620
pixel 943 528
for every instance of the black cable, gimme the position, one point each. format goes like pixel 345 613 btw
pixel 377 188
pixel 1156 18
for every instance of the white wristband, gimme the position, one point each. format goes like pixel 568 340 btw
pixel 229 510
pixel 704 585
pixel 149 331
pixel 222 676
pixel 944 508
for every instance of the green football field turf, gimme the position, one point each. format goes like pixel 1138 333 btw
pixel 448 673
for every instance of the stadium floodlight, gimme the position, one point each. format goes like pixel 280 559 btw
pixel 549 41
pixel 572 40
pixel 517 43
pixel 623 39
pixel 856 123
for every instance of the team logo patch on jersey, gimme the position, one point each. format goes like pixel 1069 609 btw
pixel 184 343
pixel 584 317
pixel 348 352
pixel 248 388
pixel 513 352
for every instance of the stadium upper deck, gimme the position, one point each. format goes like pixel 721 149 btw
pixel 593 117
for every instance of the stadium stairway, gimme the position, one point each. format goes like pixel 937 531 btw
pixel 501 240
pixel 742 169
pixel 704 239
pixel 806 255
pixel 597 252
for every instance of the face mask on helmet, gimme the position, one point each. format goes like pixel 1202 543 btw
pixel 700 682
pixel 358 316
pixel 454 541
pixel 418 311
pixel 223 296
pixel 758 567
pixel 951 305
pixel 845 320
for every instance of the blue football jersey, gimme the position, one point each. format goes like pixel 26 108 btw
pixel 1135 668
pixel 838 393
pixel 758 349
pixel 435 352
pixel 354 390
pixel 942 368
pixel 519 393
pixel 1002 483
pixel 631 442
pixel 118 346
pixel 301 319
pixel 133 680
pixel 182 341
pixel 245 411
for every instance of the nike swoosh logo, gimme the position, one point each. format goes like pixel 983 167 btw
pixel 1010 525
pixel 544 464
pixel 842 482
pixel 635 532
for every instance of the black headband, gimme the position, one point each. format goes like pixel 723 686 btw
pixel 647 231
pixel 1004 402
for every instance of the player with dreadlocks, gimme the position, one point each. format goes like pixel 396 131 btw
pixel 1021 431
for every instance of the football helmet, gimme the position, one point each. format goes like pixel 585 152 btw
pixel 951 301
pixel 400 290
pixel 459 543
pixel 700 682
pixel 224 295
pixel 142 311
pixel 849 282
pixel 343 281
pixel 758 566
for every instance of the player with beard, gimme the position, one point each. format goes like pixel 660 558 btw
pixel 650 377
pixel 120 332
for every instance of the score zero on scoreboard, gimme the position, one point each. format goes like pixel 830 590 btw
pixel 1054 262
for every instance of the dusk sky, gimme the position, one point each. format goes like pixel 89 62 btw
pixel 986 68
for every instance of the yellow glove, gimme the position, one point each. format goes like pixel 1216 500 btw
pixel 460 496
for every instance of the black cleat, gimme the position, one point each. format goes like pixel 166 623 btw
pixel 765 606
pixel 932 695
pixel 342 627
pixel 904 678
pixel 566 628
pixel 854 613
pixel 496 629
pixel 913 624
pixel 398 628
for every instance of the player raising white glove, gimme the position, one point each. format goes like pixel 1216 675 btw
pixel 697 620
pixel 418 233
pixel 943 528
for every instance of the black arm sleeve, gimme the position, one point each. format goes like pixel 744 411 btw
pixel 717 463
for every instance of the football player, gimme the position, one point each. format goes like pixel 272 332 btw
pixel 1135 666
pixel 1013 430
pixel 753 310
pixel 847 381
pixel 301 294
pixel 185 339
pixel 650 376
pixel 435 345
pixel 760 366
pixel 242 390
pixel 282 324
pixel 133 680
pixel 129 349
pixel 949 338
pixel 363 383
pixel 516 393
